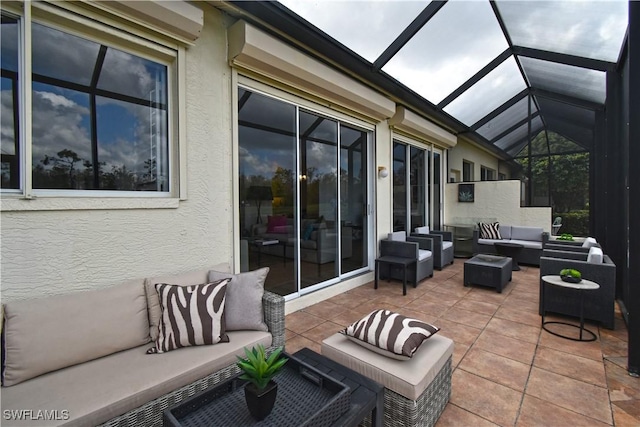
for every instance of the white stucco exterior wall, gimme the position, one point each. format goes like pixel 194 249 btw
pixel 494 201
pixel 464 150
pixel 48 252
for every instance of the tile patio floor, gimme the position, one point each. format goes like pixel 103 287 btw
pixel 507 370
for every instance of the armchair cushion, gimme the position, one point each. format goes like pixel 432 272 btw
pixel 589 242
pixel 595 255
pixel 422 230
pixel 424 254
pixel 390 334
pixel 446 244
pixel 398 236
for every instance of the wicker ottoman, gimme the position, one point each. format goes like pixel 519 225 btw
pixel 488 270
pixel 416 391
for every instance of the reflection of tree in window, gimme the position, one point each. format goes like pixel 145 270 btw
pixel 100 116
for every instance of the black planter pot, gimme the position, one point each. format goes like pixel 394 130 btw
pixel 570 279
pixel 260 402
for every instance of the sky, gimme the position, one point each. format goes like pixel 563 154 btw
pixel 464 36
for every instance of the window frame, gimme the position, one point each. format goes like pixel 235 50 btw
pixel 471 170
pixel 487 174
pixel 169 55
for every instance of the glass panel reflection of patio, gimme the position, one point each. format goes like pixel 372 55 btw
pixel 507 370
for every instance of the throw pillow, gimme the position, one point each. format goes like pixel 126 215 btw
pixel 595 255
pixel 243 305
pixel 390 334
pixel 191 315
pixel 307 232
pixel 489 230
pixel 589 242
pixel 276 222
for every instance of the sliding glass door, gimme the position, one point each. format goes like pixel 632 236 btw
pixel 303 194
pixel 417 187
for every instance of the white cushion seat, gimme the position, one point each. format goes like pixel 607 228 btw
pixel 446 244
pixel 423 254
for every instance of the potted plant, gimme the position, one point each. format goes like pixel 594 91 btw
pixel 570 275
pixel 565 236
pixel 261 391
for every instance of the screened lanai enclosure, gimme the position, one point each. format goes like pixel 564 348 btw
pixel 547 86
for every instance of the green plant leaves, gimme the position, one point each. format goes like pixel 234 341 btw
pixel 258 368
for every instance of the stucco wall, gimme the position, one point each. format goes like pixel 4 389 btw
pixel 57 251
pixel 494 201
pixel 479 157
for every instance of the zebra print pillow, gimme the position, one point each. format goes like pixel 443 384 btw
pixel 191 315
pixel 489 230
pixel 389 333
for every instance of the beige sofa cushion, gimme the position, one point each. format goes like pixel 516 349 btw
pixel 184 279
pixel 96 391
pixel 408 378
pixel 45 334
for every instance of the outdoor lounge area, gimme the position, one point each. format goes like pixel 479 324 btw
pixel 431 205
pixel 507 371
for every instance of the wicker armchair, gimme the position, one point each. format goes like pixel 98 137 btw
pixel 150 414
pixel 442 246
pixel 420 248
pixel 599 305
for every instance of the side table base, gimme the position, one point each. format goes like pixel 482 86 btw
pixel 581 328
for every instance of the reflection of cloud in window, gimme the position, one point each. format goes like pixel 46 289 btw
pixel 130 75
pixel 57 125
pixel 252 164
pixel 6 124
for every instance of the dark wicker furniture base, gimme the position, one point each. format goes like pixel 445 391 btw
pixel 425 411
pixel 306 397
pixel 488 270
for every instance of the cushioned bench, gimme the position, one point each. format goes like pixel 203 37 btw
pixel 416 390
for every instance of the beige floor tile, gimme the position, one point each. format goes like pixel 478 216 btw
pixel 514 330
pixel 590 350
pixel 322 331
pixel 570 365
pixel 454 416
pixel 325 309
pixel 466 317
pixel 526 317
pixel 487 399
pixel 512 348
pixel 299 342
pixel 440 298
pixel 458 332
pixel 623 419
pixel 427 307
pixel 539 413
pixel 621 385
pixel 477 306
pixel 577 396
pixel 499 369
pixel 300 321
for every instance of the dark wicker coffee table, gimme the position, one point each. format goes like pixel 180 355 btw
pixel 510 250
pixel 487 270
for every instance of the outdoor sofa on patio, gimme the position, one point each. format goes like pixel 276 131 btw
pixel 532 239
pixel 81 359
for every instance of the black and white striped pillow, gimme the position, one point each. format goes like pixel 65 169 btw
pixel 191 315
pixel 489 230
pixel 389 333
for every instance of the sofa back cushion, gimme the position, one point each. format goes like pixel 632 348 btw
pixel 595 256
pixel 45 334
pixel 505 231
pixel 519 232
pixel 589 242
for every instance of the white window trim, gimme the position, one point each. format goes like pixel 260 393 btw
pixel 29 199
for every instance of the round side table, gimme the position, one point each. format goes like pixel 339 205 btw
pixel 584 285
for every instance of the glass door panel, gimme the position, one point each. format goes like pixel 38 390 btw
pixel 319 221
pixel 267 167
pixel 417 182
pixel 399 187
pixel 436 221
pixel 353 199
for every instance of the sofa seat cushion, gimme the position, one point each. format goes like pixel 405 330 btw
pixel 96 391
pixel 308 244
pixel 45 334
pixel 490 241
pixel 529 244
pixel 446 245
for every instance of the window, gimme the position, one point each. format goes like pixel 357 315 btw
pixel 99 114
pixel 502 176
pixel 487 174
pixel 467 171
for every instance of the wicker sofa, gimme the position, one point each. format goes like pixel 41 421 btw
pixel 54 365
pixel 532 239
